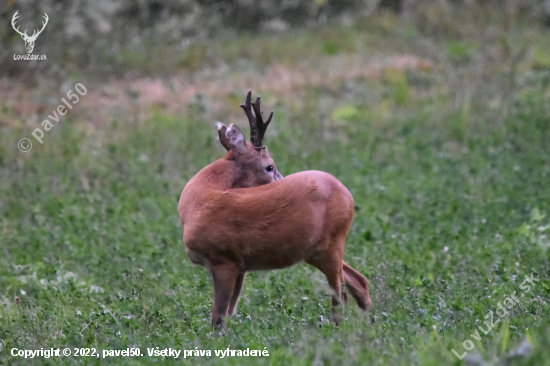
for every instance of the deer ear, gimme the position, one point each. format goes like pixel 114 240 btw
pixel 224 140
pixel 236 139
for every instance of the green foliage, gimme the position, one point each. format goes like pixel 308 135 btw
pixel 397 80
pixel 542 58
pixel 346 112
pixel 460 51
pixel 92 252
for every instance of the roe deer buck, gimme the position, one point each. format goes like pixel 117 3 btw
pixel 235 222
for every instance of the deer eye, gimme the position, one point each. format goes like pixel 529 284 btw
pixel 269 168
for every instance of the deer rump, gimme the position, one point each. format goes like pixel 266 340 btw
pixel 303 217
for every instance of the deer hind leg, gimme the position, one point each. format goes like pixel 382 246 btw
pixel 358 286
pixel 331 266
pixel 225 278
pixel 236 293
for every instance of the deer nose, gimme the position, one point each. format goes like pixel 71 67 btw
pixel 278 176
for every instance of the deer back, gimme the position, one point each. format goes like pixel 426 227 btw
pixel 270 226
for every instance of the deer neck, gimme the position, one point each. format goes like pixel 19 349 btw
pixel 218 176
pixel 221 175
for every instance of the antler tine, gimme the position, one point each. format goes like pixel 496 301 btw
pixel 15 16
pixel 37 32
pixel 257 124
pixel 247 107
pixel 262 126
pixel 46 18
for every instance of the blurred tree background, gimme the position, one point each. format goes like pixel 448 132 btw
pixel 89 35
pixel 434 114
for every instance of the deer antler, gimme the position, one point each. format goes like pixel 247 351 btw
pixel 25 36
pixel 15 16
pixel 257 124
pixel 35 34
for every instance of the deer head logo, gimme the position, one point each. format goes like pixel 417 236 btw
pixel 29 40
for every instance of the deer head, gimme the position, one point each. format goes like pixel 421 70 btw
pixel 29 40
pixel 252 159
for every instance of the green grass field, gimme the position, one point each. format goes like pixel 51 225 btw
pixel 449 166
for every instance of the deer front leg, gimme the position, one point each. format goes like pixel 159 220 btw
pixel 236 293
pixel 335 282
pixel 225 278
